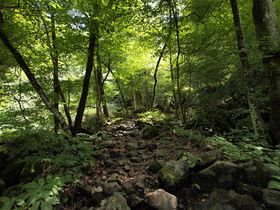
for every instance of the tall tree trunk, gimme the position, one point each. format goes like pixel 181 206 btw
pixel 31 77
pixel 175 16
pixel 247 71
pixel 98 82
pixel 83 99
pixel 155 75
pixel 265 21
pixel 55 70
pixel 171 66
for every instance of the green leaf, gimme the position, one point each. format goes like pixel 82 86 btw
pixel 41 181
pixel 272 166
pixel 20 202
pixel 46 205
pixel 274 185
pixel 31 185
pixel 276 177
pixel 36 206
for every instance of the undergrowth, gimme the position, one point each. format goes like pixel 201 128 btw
pixel 58 158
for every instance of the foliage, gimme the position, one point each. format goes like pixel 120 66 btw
pixel 191 159
pixel 192 134
pixel 152 116
pixel 40 194
pixel 58 154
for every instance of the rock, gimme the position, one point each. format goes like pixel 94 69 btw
pixel 155 166
pixel 2 187
pixel 111 187
pixel 115 202
pixel 133 133
pixel 254 190
pixel 161 200
pixel 150 132
pixel 271 198
pixel 114 178
pixel 97 196
pixel 85 190
pixel 173 175
pixel 255 172
pixel 221 174
pixel 11 173
pixel 108 144
pixel 135 201
pixel 228 200
pixel 139 187
pixel 131 146
pixel 122 162
pixel 209 157
pixel 128 187
pixel 160 154
pixel 135 159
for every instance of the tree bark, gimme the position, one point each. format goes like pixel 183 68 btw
pixel 155 74
pixel 55 71
pixel 247 71
pixel 83 99
pixel 265 21
pixel 31 77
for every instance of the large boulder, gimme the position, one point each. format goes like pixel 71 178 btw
pixel 173 175
pixel 114 202
pixel 161 200
pixel 209 157
pixel 221 174
pixel 228 200
pixel 271 198
pixel 150 132
pixel 255 172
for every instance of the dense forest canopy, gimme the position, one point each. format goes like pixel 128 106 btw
pixel 106 104
pixel 91 60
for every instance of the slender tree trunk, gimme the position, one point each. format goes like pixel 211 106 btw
pixel 265 21
pixel 175 16
pixel 83 99
pixel 247 71
pixel 55 71
pixel 171 66
pixel 31 77
pixel 98 82
pixel 155 75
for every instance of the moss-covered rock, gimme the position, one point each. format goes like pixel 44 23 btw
pixel 150 132
pixel 173 175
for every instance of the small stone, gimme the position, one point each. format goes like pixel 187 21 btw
pixel 134 201
pixel 114 178
pixel 108 144
pixel 127 168
pixel 85 190
pixel 131 146
pixel 114 202
pixel 161 200
pixel 155 166
pixel 122 162
pixel 150 132
pixel 111 187
pixel 128 187
pixel 135 160
pixel 139 186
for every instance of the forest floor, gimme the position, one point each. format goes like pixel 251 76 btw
pixel 126 157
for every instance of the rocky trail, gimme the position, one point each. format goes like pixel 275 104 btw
pixel 139 167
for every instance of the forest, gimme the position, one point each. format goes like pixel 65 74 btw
pixel 139 104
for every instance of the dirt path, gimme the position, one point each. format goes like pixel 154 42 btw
pixel 126 158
